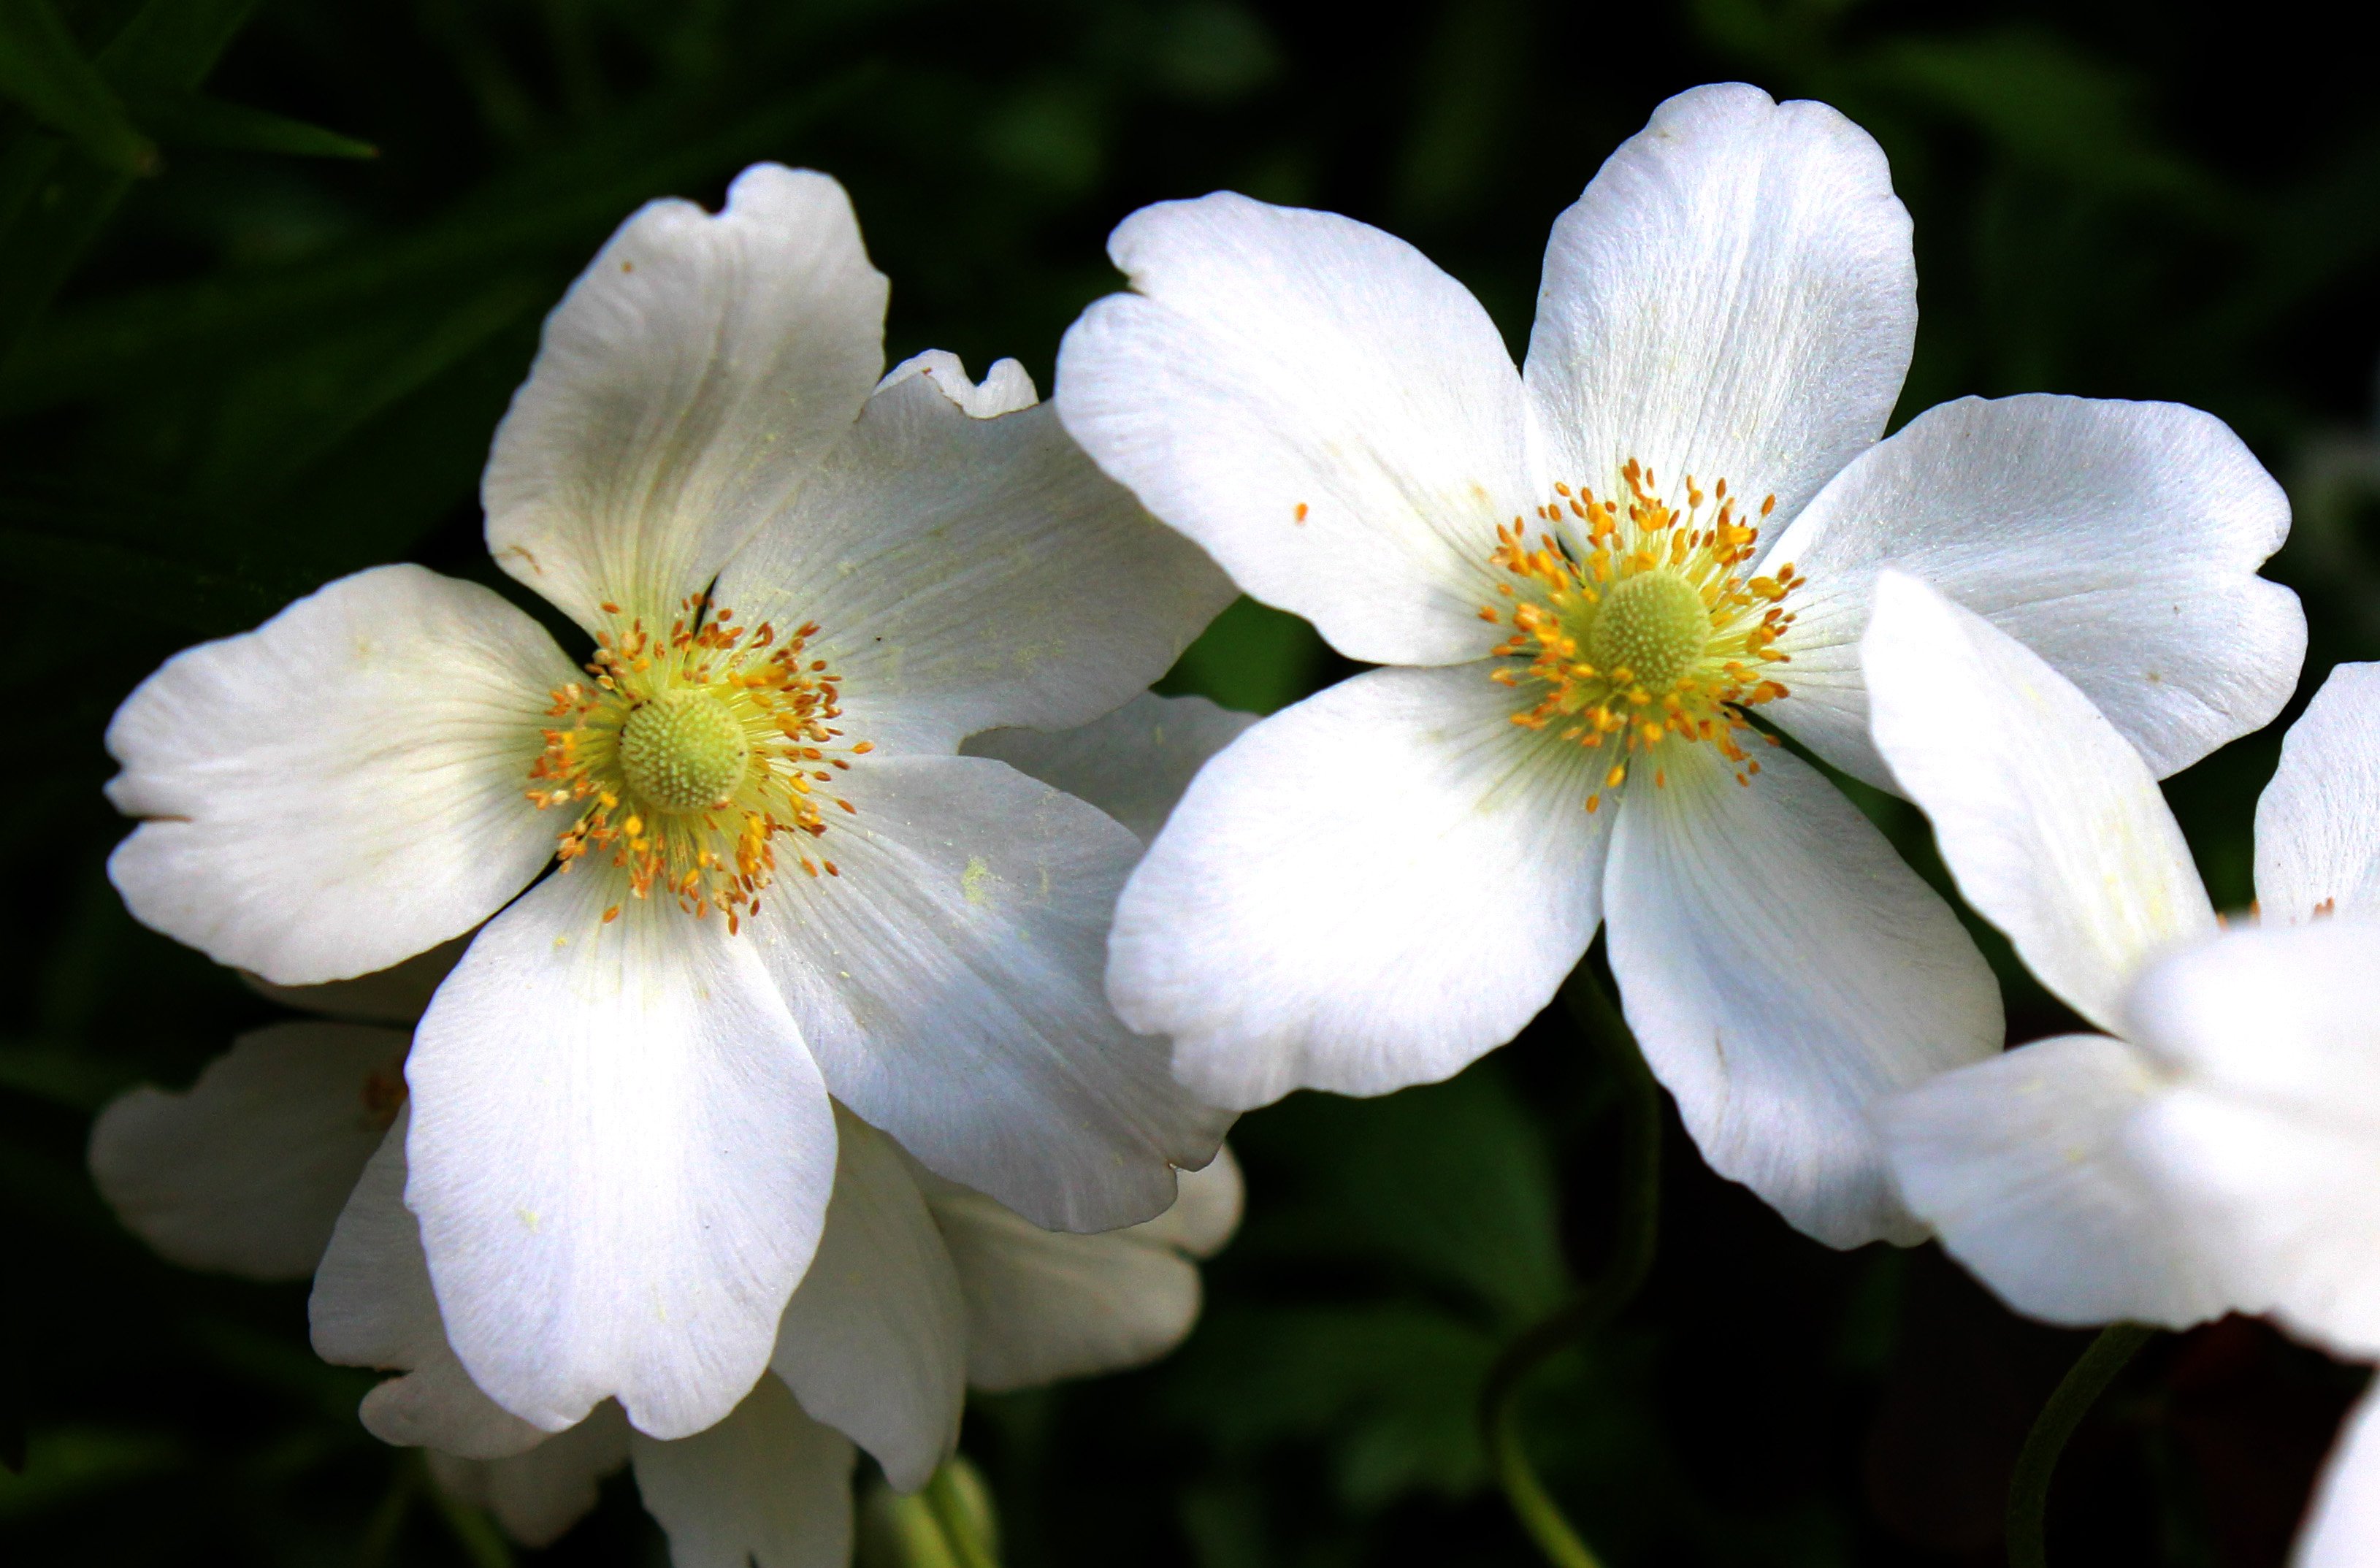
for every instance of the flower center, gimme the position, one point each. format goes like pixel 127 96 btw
pixel 1646 631
pixel 684 751
pixel 690 753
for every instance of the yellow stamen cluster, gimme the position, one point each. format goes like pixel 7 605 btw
pixel 690 752
pixel 1635 624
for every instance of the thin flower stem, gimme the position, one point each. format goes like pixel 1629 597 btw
pixel 956 1515
pixel 2027 1508
pixel 1602 1297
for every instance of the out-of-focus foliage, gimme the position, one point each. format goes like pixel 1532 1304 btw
pixel 268 273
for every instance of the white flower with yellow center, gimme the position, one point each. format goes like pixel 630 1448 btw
pixel 1587 577
pixel 2218 1148
pixel 776 878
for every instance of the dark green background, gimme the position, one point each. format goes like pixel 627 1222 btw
pixel 233 366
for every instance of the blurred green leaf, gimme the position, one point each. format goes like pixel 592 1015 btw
pixel 200 121
pixel 43 70
pixel 1254 658
pixel 69 1465
pixel 75 1079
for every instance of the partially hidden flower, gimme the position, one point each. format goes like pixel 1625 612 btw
pixel 1588 578
pixel 286 1157
pixel 2217 1148
pixel 775 878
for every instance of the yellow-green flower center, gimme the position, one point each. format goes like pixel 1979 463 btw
pixel 684 751
pixel 1654 627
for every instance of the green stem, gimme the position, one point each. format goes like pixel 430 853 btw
pixel 958 1516
pixel 2028 1509
pixel 1602 1297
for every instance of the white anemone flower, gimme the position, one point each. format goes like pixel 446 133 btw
pixel 291 1148
pixel 778 880
pixel 1585 576
pixel 2218 1148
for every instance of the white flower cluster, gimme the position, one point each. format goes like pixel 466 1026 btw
pixel 776 1030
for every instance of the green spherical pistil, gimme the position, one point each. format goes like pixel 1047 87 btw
pixel 1654 626
pixel 684 751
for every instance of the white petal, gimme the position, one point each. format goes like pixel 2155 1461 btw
pixel 1042 1305
pixel 767 1487
pixel 2117 540
pixel 1784 971
pixel 398 994
pixel 967 572
pixel 1733 298
pixel 2342 1528
pixel 2317 846
pixel 1134 764
pixel 1206 1214
pixel 246 1171
pixel 1006 387
pixel 2024 1167
pixel 2048 818
pixel 685 389
pixel 949 982
pixel 874 1343
pixel 372 1307
pixel 343 786
pixel 2276 1133
pixel 621 1155
pixel 538 1495
pixel 1332 418
pixel 1368 889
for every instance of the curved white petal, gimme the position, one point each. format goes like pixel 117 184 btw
pixel 372 1307
pixel 1734 297
pixel 246 1171
pixel 2274 1139
pixel 2022 1165
pixel 1332 418
pixel 2318 822
pixel 1206 1214
pixel 621 1155
pixel 948 980
pixel 966 572
pixel 2048 818
pixel 1134 764
pixel 1783 970
pixel 2342 1528
pixel 398 994
pixel 1043 1305
pixel 766 1488
pixel 538 1495
pixel 1368 889
pixel 2117 540
pixel 685 389
pixel 874 1343
pixel 1005 388
pixel 343 786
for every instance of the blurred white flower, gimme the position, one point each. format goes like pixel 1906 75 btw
pixel 1586 577
pixel 778 881
pixel 2219 1148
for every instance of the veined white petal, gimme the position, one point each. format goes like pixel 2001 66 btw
pixel 1783 970
pixel 2317 844
pixel 2023 1165
pixel 1332 418
pixel 1042 1305
pixel 398 994
pixel 685 389
pixel 766 1488
pixel 2048 818
pixel 1368 889
pixel 343 786
pixel 246 1171
pixel 874 1343
pixel 2275 1137
pixel 1134 764
pixel 2117 540
pixel 968 571
pixel 1005 388
pixel 1734 297
pixel 948 980
pixel 372 1307
pixel 2342 1528
pixel 538 1495
pixel 621 1156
